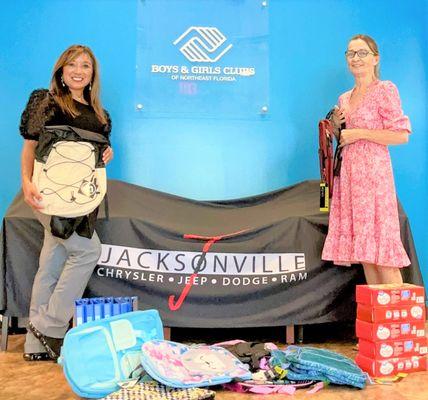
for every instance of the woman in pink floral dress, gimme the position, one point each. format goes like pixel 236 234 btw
pixel 363 225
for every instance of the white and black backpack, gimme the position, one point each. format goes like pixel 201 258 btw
pixel 68 170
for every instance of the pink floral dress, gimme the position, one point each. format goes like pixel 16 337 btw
pixel 363 222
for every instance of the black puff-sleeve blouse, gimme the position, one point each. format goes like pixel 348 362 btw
pixel 42 110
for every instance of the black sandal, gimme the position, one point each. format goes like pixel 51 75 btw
pixel 52 345
pixel 36 357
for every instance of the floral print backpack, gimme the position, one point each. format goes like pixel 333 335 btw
pixel 182 366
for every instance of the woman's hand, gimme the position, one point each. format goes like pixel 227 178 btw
pixel 348 136
pixel 31 195
pixel 107 155
pixel 338 117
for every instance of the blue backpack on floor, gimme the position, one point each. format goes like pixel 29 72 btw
pixel 97 355
pixel 309 363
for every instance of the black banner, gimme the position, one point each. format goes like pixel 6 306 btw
pixel 256 264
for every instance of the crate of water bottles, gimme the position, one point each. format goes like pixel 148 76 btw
pixel 95 308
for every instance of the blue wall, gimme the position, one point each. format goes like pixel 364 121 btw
pixel 208 159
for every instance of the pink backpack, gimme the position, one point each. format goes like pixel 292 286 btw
pixel 182 366
pixel 265 388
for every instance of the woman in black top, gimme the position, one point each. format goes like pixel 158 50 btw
pixel 67 259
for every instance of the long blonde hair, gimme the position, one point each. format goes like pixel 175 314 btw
pixel 372 46
pixel 91 92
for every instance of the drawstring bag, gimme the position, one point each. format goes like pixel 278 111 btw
pixel 251 353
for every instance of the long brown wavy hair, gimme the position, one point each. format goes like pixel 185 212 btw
pixel 91 92
pixel 372 46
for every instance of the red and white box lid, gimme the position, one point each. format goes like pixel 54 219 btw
pixel 390 294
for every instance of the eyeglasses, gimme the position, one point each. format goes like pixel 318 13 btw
pixel 360 53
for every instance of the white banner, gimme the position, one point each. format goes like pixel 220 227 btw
pixel 185 262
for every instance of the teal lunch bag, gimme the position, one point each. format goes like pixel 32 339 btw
pixel 97 355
